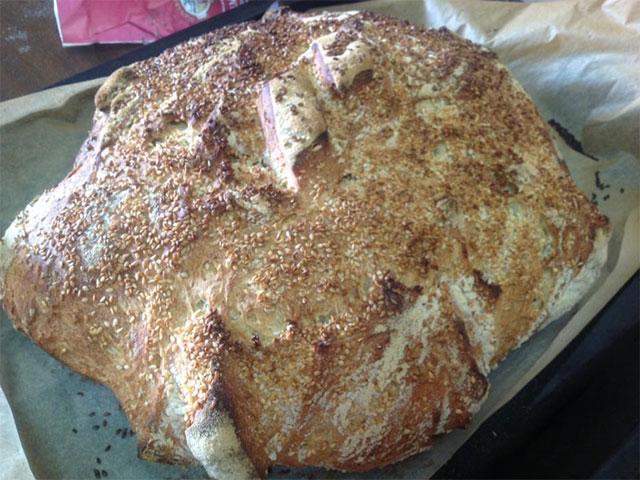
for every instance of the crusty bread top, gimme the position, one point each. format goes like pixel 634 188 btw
pixel 262 212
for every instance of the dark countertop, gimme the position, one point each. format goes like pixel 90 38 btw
pixel 31 54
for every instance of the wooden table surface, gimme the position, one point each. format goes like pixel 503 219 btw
pixel 31 53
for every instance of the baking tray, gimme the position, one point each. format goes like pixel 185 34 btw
pixel 542 431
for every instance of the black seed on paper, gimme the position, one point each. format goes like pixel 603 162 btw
pixel 96 427
pixel 96 472
pixel 118 431
pixel 124 433
pixel 131 433
pixel 106 414
pixel 80 394
pixel 74 430
pixel 599 184
pixel 104 423
pixel 98 461
pixel 622 190
pixel 107 448
pixel 606 197
pixel 104 473
pixel 92 414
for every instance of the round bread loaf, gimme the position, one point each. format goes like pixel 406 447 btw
pixel 303 241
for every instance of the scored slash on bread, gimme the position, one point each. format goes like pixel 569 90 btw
pixel 342 59
pixel 291 121
pixel 303 241
pixel 290 114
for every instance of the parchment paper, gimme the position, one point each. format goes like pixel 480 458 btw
pixel 579 61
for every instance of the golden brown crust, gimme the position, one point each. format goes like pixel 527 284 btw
pixel 109 90
pixel 341 300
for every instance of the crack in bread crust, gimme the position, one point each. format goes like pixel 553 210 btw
pixel 303 241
